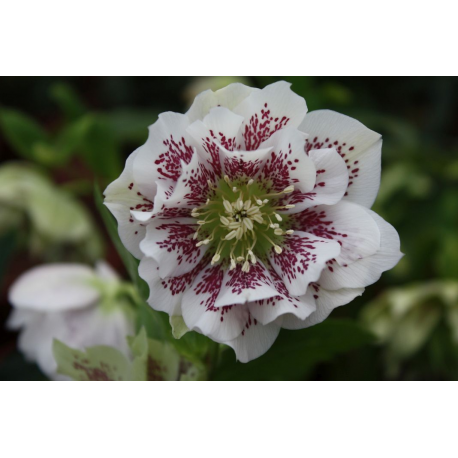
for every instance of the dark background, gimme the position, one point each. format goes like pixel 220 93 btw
pixel 418 118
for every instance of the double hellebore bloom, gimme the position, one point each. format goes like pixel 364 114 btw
pixel 249 216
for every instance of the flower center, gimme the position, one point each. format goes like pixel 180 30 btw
pixel 240 221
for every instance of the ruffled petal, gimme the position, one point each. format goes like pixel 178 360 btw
pixel 269 110
pixel 191 189
pixel 288 164
pixel 54 288
pixel 123 196
pixel 268 310
pixel 348 223
pixel 359 146
pixel 201 314
pixel 326 302
pixel 170 243
pixel 303 258
pixel 166 294
pixel 240 287
pixel 219 129
pixel 368 270
pixel 255 339
pixel 330 184
pixel 241 164
pixel 168 147
pixel 229 97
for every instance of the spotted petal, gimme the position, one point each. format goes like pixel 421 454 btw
pixel 168 147
pixel 123 196
pixel 170 243
pixel 255 339
pixel 268 111
pixel 302 260
pixel 288 164
pixel 359 146
pixel 219 129
pixel 166 294
pixel 330 184
pixel 368 270
pixel 268 310
pixel 201 314
pixel 240 287
pixel 191 189
pixel 346 222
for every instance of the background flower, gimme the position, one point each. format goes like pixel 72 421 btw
pixel 72 303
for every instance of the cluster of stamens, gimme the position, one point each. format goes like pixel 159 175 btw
pixel 239 220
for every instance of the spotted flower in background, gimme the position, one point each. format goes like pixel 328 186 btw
pixel 249 215
pixel 72 303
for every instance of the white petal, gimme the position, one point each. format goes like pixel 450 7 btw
pixel 106 272
pixel 326 302
pixel 242 164
pixel 303 258
pixel 288 164
pixel 229 97
pixel 346 222
pixel 162 156
pixel 268 310
pixel 19 318
pixel 169 242
pixel 200 313
pixel 330 186
pixel 76 328
pixel 255 339
pixel 54 287
pixel 223 126
pixel 121 197
pixel 269 110
pixel 359 146
pixel 191 189
pixel 219 129
pixel 368 270
pixel 240 287
pixel 165 294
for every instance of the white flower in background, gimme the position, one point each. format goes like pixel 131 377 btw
pixel 249 216
pixel 69 302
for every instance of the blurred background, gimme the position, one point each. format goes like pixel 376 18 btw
pixel 60 135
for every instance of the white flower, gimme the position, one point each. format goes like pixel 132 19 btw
pixel 65 302
pixel 249 216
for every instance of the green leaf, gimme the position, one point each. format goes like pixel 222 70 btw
pixel 295 353
pixel 98 145
pixel 68 100
pixel 152 361
pixel 131 125
pixel 96 363
pixel 179 328
pixel 22 133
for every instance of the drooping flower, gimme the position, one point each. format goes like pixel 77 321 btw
pixel 72 303
pixel 249 216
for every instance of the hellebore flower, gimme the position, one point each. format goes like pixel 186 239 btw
pixel 249 216
pixel 71 303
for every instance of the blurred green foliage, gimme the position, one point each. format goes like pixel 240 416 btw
pixel 59 136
